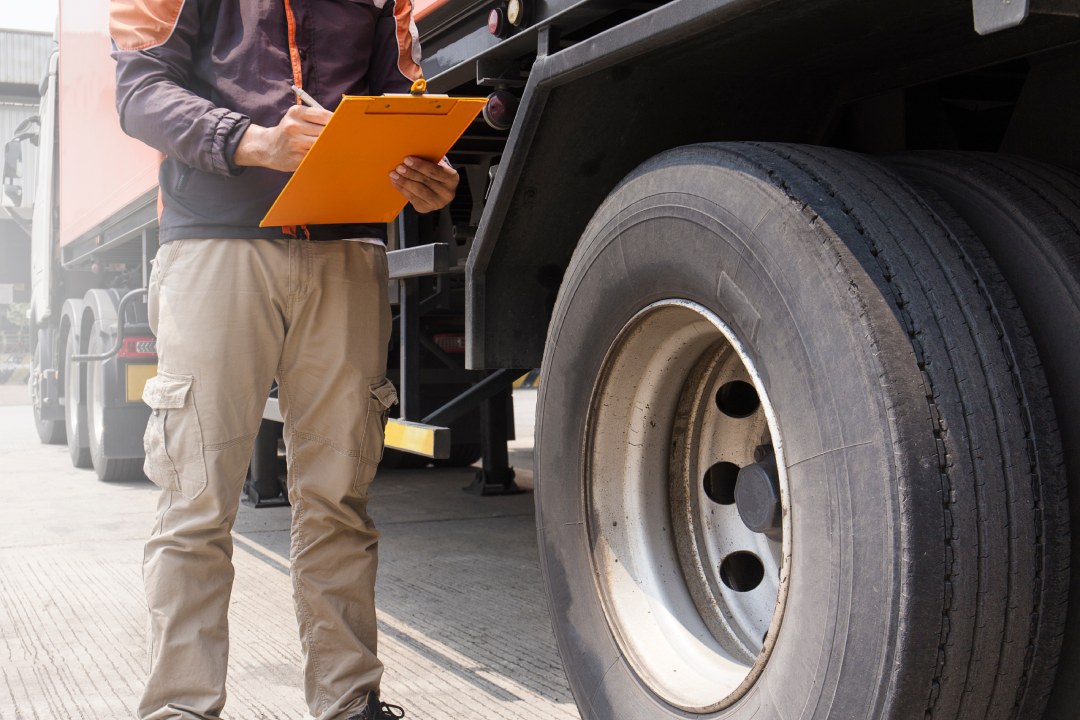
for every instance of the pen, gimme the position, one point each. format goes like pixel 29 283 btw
pixel 307 99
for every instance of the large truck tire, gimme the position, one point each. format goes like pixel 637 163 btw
pixel 74 410
pixel 50 432
pixel 787 464
pixel 462 455
pixel 108 469
pixel 400 460
pixel 266 473
pixel 1027 216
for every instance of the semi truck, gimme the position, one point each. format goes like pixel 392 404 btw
pixel 803 282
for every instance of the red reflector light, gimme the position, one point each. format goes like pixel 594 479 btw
pixel 497 22
pixel 138 348
pixel 452 343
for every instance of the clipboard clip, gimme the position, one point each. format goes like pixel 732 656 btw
pixel 419 87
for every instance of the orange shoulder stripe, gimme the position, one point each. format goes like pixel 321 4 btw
pixel 143 24
pixel 408 39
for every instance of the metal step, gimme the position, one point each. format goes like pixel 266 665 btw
pixel 419 439
pixel 419 261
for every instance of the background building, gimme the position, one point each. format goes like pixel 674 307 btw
pixel 23 59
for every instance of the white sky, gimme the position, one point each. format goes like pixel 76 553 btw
pixel 28 14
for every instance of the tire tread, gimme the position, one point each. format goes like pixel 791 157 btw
pixel 927 308
pixel 1040 204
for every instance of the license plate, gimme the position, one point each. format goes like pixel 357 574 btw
pixel 137 375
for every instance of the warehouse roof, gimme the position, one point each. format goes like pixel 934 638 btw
pixel 23 57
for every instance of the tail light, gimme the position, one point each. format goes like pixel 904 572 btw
pixel 138 348
pixel 450 343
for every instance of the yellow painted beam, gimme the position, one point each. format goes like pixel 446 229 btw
pixel 426 440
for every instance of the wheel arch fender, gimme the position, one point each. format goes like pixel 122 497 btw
pixel 550 180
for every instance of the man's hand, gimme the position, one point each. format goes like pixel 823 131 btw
pixel 282 147
pixel 428 186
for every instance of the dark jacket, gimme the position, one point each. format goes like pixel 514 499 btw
pixel 193 74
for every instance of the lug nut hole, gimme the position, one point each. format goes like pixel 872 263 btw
pixel 742 571
pixel 720 482
pixel 738 399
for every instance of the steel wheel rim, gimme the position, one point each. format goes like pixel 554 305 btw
pixel 684 615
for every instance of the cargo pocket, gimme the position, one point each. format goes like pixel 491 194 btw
pixel 383 397
pixel 173 440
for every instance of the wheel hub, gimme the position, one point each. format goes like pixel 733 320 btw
pixel 687 506
pixel 757 496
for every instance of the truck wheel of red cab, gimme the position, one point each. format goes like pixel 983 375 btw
pixel 787 462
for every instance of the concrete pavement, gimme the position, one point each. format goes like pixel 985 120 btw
pixel 464 625
pixel 13 395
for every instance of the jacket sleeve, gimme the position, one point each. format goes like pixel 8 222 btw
pixel 155 95
pixel 395 56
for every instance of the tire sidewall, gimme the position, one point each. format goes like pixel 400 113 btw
pixel 94 380
pixel 744 253
pixel 78 449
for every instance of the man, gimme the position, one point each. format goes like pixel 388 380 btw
pixel 207 82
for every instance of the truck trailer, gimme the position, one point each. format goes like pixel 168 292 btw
pixel 803 282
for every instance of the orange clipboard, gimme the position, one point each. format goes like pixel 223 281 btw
pixel 345 177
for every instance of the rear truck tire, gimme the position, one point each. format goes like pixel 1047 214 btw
pixel 400 460
pixel 108 469
pixel 787 463
pixel 265 473
pixel 1027 215
pixel 74 410
pixel 461 455
pixel 50 432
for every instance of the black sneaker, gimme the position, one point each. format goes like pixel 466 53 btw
pixel 378 710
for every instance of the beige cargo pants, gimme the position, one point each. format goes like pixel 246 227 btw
pixel 230 316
